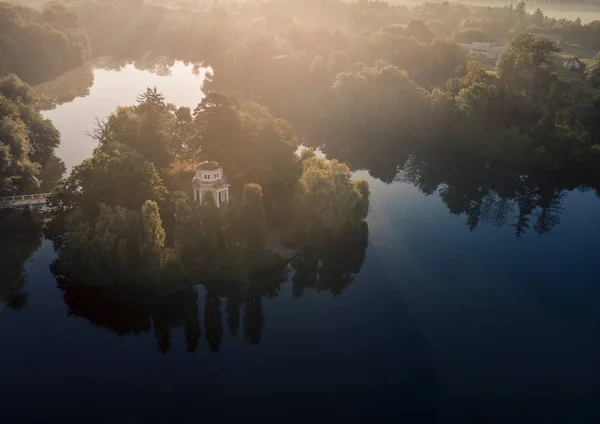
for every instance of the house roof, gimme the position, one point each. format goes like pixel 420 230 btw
pixel 215 184
pixel 497 49
pixel 481 46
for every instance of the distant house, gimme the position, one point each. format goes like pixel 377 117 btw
pixel 480 49
pixel 488 51
pixel 495 51
pixel 464 47
pixel 574 64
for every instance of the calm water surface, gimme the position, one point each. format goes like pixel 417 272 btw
pixel 180 84
pixel 444 316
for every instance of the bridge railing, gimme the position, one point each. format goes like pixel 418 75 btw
pixel 24 199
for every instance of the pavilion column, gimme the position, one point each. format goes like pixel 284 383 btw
pixel 218 203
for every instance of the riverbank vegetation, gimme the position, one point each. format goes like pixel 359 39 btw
pixel 123 216
pixel 27 141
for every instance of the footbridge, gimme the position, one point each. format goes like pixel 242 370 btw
pixel 23 201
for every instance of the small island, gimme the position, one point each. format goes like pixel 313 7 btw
pixel 172 198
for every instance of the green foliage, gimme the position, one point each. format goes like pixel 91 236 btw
pixel 470 35
pixel 153 234
pixel 201 237
pixel 27 140
pixel 117 179
pixel 253 217
pixel 329 199
pixel 104 251
pixel 527 64
pixel 419 30
pixel 148 128
pixel 380 98
pixel 39 46
pixel 363 204
pixel 593 72
pixel 121 246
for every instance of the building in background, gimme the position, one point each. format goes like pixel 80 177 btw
pixel 485 51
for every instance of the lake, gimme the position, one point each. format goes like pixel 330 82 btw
pixel 474 299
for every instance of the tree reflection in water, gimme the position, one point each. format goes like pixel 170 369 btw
pixel 485 192
pixel 67 87
pixel 490 193
pixel 20 237
pixel 127 310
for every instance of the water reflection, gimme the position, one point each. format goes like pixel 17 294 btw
pixel 67 87
pixel 78 82
pixel 20 236
pixel 126 310
pixel 483 191
pixel 227 304
pixel 490 193
pixel 80 98
pixel 331 268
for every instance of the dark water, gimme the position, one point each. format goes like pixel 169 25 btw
pixel 474 298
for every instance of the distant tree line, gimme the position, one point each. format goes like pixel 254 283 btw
pixel 375 69
pixel 40 45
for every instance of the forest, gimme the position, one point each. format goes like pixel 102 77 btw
pixel 365 71
pixel 40 45
pixel 344 77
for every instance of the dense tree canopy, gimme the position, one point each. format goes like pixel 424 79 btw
pixel 39 46
pixel 329 199
pixel 27 140
pixel 385 70
pixel 362 76
pixel 119 215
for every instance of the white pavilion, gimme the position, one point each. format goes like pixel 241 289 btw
pixel 209 178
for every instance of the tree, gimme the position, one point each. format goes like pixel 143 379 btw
pixel 27 140
pixel 253 216
pixel 538 18
pixel 200 237
pixel 153 236
pixel 218 129
pixel 54 40
pixel 105 251
pixel 593 72
pixel 329 199
pixel 148 128
pixel 118 179
pixel 526 65
pixel 521 9
pixel 419 30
